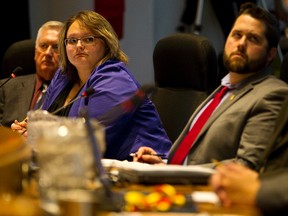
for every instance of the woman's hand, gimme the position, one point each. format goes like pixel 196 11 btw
pixel 20 127
pixel 145 155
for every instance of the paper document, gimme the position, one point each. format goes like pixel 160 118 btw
pixel 136 172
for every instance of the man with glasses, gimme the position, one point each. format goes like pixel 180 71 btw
pixel 24 93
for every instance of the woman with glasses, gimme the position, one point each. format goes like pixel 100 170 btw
pixel 90 56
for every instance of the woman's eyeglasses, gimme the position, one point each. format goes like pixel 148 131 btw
pixel 87 40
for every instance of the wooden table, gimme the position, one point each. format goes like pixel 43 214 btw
pixel 27 204
pixel 209 208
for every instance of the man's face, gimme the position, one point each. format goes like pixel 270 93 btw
pixel 246 49
pixel 46 53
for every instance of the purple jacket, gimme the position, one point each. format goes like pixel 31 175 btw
pixel 113 84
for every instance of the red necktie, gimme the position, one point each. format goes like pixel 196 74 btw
pixel 37 96
pixel 41 97
pixel 188 140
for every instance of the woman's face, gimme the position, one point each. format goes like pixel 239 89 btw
pixel 84 49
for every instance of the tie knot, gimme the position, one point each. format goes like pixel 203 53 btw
pixel 222 92
pixel 44 87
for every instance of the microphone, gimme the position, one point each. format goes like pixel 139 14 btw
pixel 127 106
pixel 87 93
pixel 110 200
pixel 124 107
pixel 13 75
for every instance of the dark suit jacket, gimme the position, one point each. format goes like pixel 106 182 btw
pixel 241 127
pixel 15 98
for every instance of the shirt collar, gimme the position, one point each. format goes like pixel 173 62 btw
pixel 226 80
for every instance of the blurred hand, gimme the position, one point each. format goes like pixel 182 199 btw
pixel 235 183
pixel 20 127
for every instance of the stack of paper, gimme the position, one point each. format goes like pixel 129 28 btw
pixel 135 172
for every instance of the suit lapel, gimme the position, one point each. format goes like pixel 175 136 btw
pixel 234 96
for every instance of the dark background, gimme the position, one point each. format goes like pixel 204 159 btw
pixel 15 24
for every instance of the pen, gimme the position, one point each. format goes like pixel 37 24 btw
pixel 158 155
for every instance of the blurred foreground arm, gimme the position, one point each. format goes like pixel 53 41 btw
pixel 235 183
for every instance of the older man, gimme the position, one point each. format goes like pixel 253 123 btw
pixel 21 94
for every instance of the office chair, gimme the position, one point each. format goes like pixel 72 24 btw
pixel 284 68
pixel 185 72
pixel 20 53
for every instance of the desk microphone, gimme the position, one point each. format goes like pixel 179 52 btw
pixel 13 75
pixel 127 106
pixel 87 93
pixel 137 98
pixel 109 200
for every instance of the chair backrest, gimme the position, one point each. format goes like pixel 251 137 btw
pixel 20 53
pixel 284 68
pixel 185 72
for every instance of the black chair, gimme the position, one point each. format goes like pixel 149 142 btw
pixel 284 68
pixel 185 72
pixel 20 53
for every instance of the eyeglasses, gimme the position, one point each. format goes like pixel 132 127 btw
pixel 87 40
pixel 44 46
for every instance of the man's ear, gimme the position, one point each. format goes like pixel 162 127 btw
pixel 271 54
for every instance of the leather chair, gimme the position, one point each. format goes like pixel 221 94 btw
pixel 284 68
pixel 185 72
pixel 20 53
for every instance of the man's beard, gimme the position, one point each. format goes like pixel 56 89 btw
pixel 242 66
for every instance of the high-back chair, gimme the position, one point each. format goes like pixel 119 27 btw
pixel 185 72
pixel 19 54
pixel 284 68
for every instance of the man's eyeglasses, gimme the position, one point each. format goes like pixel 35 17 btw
pixel 87 40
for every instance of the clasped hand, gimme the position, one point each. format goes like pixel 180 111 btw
pixel 20 127
pixel 235 184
